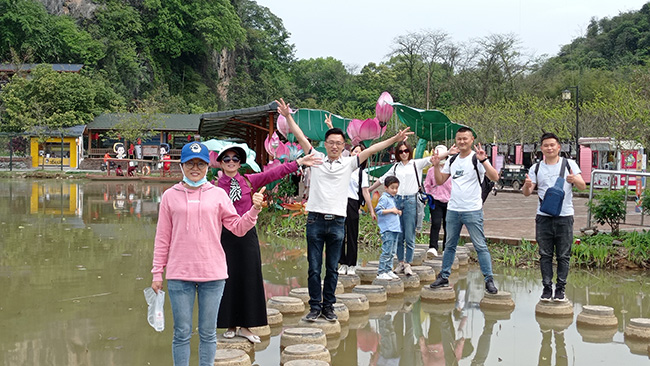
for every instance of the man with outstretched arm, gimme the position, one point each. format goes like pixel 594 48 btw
pixel 465 204
pixel 327 205
pixel 554 234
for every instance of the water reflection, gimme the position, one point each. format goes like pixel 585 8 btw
pixel 75 257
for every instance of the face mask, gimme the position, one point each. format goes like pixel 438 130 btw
pixel 190 182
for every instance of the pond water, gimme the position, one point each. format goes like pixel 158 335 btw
pixel 75 257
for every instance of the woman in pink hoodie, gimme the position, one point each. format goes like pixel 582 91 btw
pixel 188 248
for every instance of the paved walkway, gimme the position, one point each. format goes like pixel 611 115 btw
pixel 510 216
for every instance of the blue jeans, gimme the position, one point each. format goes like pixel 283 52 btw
pixel 407 222
pixel 554 234
pixel 473 221
pixel 181 297
pixel 388 241
pixel 324 232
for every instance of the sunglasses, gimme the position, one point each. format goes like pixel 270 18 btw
pixel 402 151
pixel 227 159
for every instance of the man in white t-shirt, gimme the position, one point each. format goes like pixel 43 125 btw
pixel 554 233
pixel 327 207
pixel 465 205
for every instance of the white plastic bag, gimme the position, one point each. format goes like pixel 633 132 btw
pixel 156 313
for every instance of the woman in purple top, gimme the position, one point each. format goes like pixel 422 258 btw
pixel 244 304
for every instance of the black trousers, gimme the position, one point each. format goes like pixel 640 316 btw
pixel 350 243
pixel 438 218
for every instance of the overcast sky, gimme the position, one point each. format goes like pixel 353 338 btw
pixel 360 31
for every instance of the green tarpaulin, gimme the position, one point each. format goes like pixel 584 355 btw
pixel 428 124
pixel 312 123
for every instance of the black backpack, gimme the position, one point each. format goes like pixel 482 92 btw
pixel 486 185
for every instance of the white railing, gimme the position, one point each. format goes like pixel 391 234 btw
pixel 627 174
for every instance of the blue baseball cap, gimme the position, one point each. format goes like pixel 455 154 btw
pixel 195 150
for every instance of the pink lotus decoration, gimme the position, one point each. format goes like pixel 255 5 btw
pixel 275 148
pixel 283 126
pixel 369 129
pixel 384 108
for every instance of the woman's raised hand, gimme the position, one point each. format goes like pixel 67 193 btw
pixel 258 198
pixel 402 135
pixel 310 160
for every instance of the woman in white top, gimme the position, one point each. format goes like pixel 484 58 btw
pixel 409 173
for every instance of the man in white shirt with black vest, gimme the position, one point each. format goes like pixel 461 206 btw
pixel 327 207
pixel 554 233
pixel 465 204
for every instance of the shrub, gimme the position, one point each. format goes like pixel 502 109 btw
pixel 610 208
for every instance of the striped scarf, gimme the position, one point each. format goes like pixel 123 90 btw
pixel 235 190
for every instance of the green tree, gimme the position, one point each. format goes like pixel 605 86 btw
pixel 26 27
pixel 54 100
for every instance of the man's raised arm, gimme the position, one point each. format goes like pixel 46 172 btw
pixel 375 148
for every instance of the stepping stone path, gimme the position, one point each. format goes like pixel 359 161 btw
pixel 349 281
pixel 341 312
pixel 435 264
pixel 410 282
pixel 231 357
pixel 302 335
pixel 392 287
pixel 376 294
pixel 305 352
pixel 236 343
pixel 262 332
pixel 300 292
pixel 273 317
pixel 426 274
pixel 554 308
pixel 306 363
pixel 366 274
pixel 287 305
pixel 597 316
pixel 419 255
pixel 502 300
pixel 355 302
pixel 442 294
pixel 331 329
pixel 638 328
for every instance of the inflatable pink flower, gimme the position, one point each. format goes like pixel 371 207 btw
pixel 368 129
pixel 384 108
pixel 283 126
pixel 275 147
pixel 213 159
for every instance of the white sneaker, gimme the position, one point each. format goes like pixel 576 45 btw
pixel 343 269
pixel 393 275
pixel 352 270
pixel 384 276
pixel 432 253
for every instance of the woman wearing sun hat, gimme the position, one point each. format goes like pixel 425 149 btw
pixel 245 309
pixel 188 249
